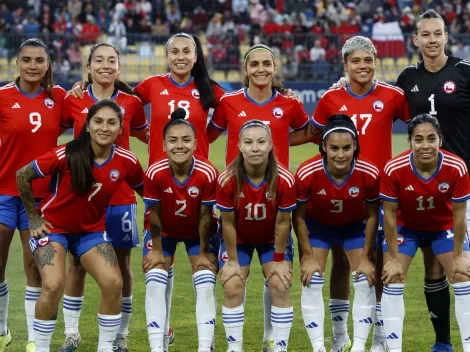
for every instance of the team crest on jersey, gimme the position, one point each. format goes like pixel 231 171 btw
pixel 193 192
pixel 378 105
pixel 148 245
pixel 443 187
pixel 114 175
pixel 224 256
pixel 449 87
pixel 43 241
pixel 353 191
pixel 195 93
pixel 49 103
pixel 268 196
pixel 278 113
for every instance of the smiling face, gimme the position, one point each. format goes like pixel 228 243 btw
pixel 255 144
pixel 104 65
pixel 181 56
pixel 425 143
pixel 339 148
pixel 104 127
pixel 180 144
pixel 430 37
pixel 360 67
pixel 32 63
pixel 260 68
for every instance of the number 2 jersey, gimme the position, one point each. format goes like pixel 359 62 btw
pixel 425 204
pixel 69 212
pixel 180 202
pixel 444 94
pixel 29 127
pixel 255 210
pixel 373 114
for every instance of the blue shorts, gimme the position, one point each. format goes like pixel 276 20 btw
pixel 13 214
pixel 77 243
pixel 169 245
pixel 440 241
pixel 265 252
pixel 121 225
pixel 350 237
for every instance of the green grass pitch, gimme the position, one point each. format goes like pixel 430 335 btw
pixel 418 333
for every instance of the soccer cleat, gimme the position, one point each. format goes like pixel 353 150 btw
pixel 268 346
pixel 71 343
pixel 171 335
pixel 341 345
pixel 321 349
pixel 31 347
pixel 121 343
pixel 213 345
pixel 379 346
pixel 5 341
pixel 441 347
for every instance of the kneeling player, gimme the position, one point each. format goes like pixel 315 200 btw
pixel 180 192
pixel 344 191
pixel 424 191
pixel 255 195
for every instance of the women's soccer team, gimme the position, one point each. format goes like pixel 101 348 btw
pixel 79 198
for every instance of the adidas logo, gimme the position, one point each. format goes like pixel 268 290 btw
pixel 366 320
pixel 379 323
pixel 432 315
pixel 343 108
pixel 337 318
pixel 392 336
pixel 281 343
pixel 164 92
pixel 231 339
pixel 410 188
pixel 467 339
pixel 311 325
pixel 323 192
pixel 210 322
pixel 126 238
pixel 168 190
pixel 415 89
pixel 85 111
pixel 153 324
pixel 241 195
pixel 16 106
pixel 242 114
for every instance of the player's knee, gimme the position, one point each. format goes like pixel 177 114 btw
pixel 234 289
pixel 433 270
pixel 277 289
pixel 112 286
pixel 459 278
pixel 53 288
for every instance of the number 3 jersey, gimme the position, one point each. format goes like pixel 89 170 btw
pixel 337 204
pixel 66 210
pixel 373 114
pixel 425 204
pixel 255 210
pixel 29 127
pixel 180 202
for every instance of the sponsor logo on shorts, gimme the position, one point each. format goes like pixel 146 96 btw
pixel 224 256
pixel 148 244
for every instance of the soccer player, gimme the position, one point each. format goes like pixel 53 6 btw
pixel 30 116
pixel 85 175
pixel 425 191
pixel 373 105
pixel 180 194
pixel 343 188
pixel 121 218
pixel 255 195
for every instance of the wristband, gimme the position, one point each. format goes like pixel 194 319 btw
pixel 278 257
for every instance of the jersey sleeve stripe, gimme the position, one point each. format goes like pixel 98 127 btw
pixel 461 199
pixel 151 200
pixel 359 168
pixel 388 198
pixel 312 171
pixel 445 162
pixel 393 162
pixel 216 126
pixel 286 173
pixel 301 127
pixel 287 179
pixel 140 128
pixel 237 92
pixel 126 157
pixel 389 172
pixel 151 173
pixel 125 151
pixel 286 209
pixel 209 177
pixel 222 208
pixel 160 163
pixel 368 166
pixel 308 166
pixel 316 123
pixel 37 169
pixel 389 86
pixel 206 166
pixel 456 161
pixel 223 178
pixel 463 62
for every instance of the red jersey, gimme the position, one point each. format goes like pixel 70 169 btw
pixel 256 211
pixel 165 96
pixel 74 114
pixel 280 113
pixel 29 127
pixel 425 204
pixel 71 213
pixel 373 114
pixel 337 204
pixel 180 202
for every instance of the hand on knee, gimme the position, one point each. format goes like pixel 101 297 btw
pixel 457 278
pixel 233 292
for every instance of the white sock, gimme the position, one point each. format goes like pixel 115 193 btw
pixel 72 309
pixel 268 302
pixel 363 311
pixel 4 300
pixel 281 319
pixel 339 310
pixel 108 328
pixel 234 318
pixel 43 330
pixel 168 297
pixel 379 331
pixel 126 315
pixel 313 310
pixel 30 299
pixel 393 309
pixel 462 311
pixel 155 307
pixel 204 283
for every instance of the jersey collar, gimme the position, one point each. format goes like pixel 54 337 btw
pixel 251 183
pixel 187 177
pixel 439 165
pixel 110 157
pixel 184 85
pixel 364 95
pixel 245 91
pixel 339 185
pixel 90 93
pixel 34 95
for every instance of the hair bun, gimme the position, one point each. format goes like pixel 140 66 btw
pixel 178 114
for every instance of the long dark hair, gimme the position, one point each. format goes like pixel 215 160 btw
pixel 79 153
pixel 118 84
pixel 205 85
pixel 339 123
pixel 48 79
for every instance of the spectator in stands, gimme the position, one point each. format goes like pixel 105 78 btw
pixel 46 14
pixel 200 20
pixel 120 9
pixel 160 31
pixel 75 57
pixel 14 38
pixel 5 13
pixel 174 18
pixel 461 51
pixel 117 33
pixel 144 8
pixel 74 7
pixel 299 32
pixel 240 7
pixel 131 30
pixel 61 68
pixel 31 27
pixel 290 68
pixel 318 59
pixel 103 19
pixel 90 31
pixel 215 26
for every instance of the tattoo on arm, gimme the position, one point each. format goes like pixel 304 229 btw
pixel 45 256
pixel 277 231
pixel 24 176
pixel 107 252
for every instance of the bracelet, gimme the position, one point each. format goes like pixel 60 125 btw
pixel 278 257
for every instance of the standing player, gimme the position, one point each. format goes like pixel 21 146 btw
pixel 85 175
pixel 121 218
pixel 343 189
pixel 425 191
pixel 29 127
pixel 373 105
pixel 255 195
pixel 180 193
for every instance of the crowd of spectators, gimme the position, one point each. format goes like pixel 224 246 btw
pixel 306 34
